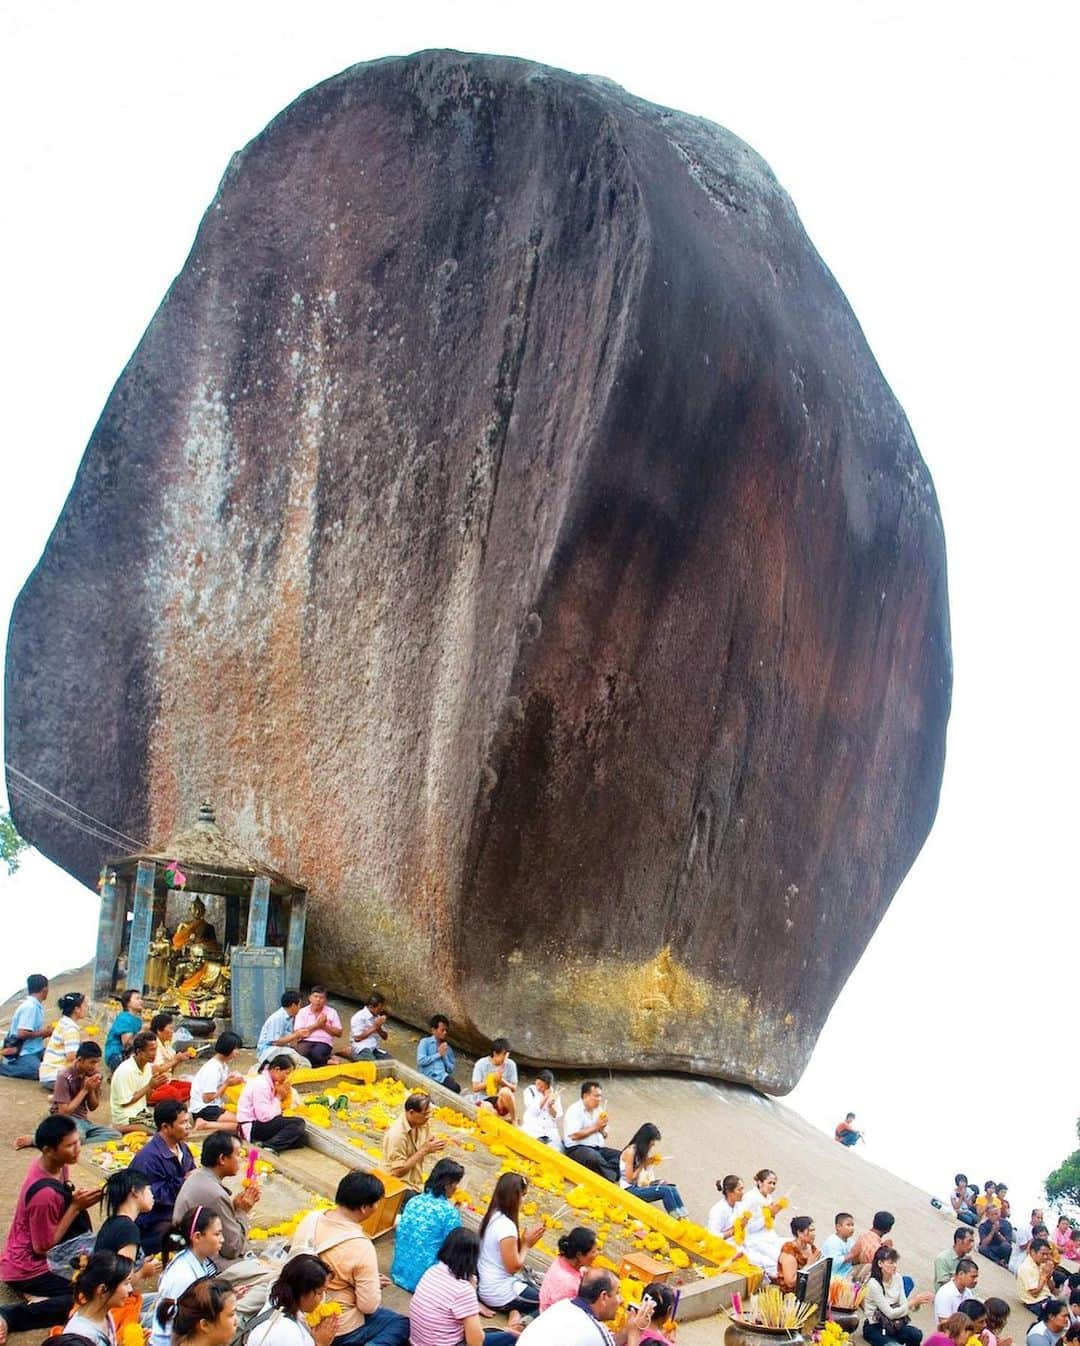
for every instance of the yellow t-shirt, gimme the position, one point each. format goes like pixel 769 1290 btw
pixel 1028 1275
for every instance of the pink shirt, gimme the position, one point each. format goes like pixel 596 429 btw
pixel 258 1102
pixel 32 1225
pixel 307 1016
pixel 561 1281
pixel 440 1304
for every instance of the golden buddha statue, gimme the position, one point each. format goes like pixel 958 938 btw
pixel 196 930
pixel 199 981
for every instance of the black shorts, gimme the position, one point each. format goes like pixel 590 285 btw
pixel 210 1113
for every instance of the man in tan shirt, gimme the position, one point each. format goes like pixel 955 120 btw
pixel 408 1142
pixel 355 1282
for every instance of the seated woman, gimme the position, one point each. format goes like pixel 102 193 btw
pixel 886 1307
pixel 727 1210
pixel 761 1243
pixel 661 1329
pixel 445 1306
pixel 261 1104
pixel 199 1240
pixel 424 1224
pixel 636 1163
pixel 298 1290
pixel 63 1043
pixel 503 1249
pixel 167 1059
pixel 562 1280
pixel 103 1284
pixel 956 1330
pixel 798 1253
pixel 204 1315
pixel 543 1110
pixel 127 1195
pixel 1052 1324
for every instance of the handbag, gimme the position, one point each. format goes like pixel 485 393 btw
pixel 13 1045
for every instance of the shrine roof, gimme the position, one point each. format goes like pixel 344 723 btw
pixel 203 849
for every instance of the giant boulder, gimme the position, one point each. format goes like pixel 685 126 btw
pixel 504 521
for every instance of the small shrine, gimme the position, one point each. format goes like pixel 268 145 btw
pixel 172 920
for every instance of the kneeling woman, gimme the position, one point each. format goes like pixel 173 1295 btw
pixel 503 1250
pixel 260 1106
pixel 887 1308
pixel 445 1307
pixel 204 1315
pixel 798 1253
pixel 635 1165
pixel 298 1291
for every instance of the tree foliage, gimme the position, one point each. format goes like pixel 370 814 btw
pixel 1063 1185
pixel 11 844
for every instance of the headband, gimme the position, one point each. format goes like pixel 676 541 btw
pixel 194 1221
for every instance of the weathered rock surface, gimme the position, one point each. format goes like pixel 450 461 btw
pixel 505 522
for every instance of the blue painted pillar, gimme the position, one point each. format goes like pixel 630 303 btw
pixel 141 924
pixel 258 912
pixel 294 941
pixel 110 936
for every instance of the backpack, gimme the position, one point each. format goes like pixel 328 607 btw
pixel 318 1248
pixel 81 1223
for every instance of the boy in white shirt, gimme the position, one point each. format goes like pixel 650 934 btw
pixel 543 1108
pixel 208 1106
pixel 367 1028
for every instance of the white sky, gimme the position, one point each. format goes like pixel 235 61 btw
pixel 931 151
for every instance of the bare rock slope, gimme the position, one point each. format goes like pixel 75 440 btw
pixel 504 521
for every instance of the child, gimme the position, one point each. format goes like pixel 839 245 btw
pixel 954 1331
pixel 103 1284
pixel 367 1028
pixel 662 1327
pixel 201 1238
pixel 209 1085
pixel 204 1315
pixel 997 1315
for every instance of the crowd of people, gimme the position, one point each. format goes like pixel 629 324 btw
pixel 173 1248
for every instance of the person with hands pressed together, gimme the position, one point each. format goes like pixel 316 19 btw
pixel 504 1248
pixel 368 1029
pixel 495 1080
pixel 208 1105
pixel 47 1211
pixel 77 1093
pixel 133 1081
pixel 63 1041
pixel 886 1307
pixel 298 1291
pixel 408 1142
pixel 435 1057
pixel 543 1110
pixel 1033 1275
pixel 261 1105
pixel 320 1027
pixel 205 1187
pixel 585 1129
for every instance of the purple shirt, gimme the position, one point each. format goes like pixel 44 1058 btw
pixel 166 1174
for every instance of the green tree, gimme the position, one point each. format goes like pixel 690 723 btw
pixel 1063 1185
pixel 11 844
